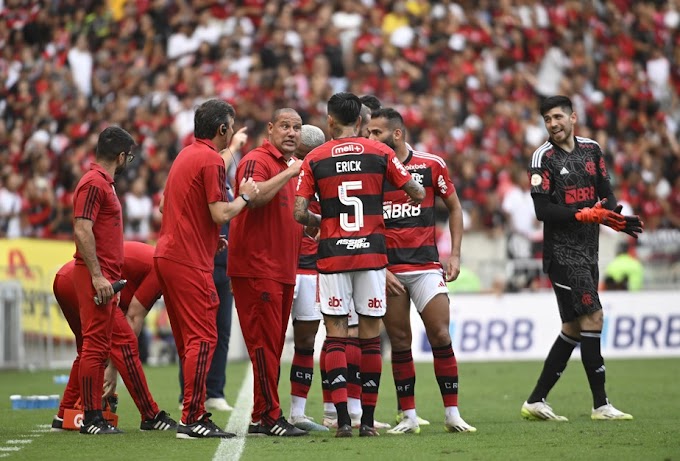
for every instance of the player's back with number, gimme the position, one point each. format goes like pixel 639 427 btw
pixel 348 174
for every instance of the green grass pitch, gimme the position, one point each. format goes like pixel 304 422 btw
pixel 490 399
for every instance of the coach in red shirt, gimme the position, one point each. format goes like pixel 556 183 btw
pixel 98 233
pixel 140 293
pixel 194 207
pixel 264 244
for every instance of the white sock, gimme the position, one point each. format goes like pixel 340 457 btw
pixel 411 414
pixel 354 406
pixel 452 412
pixel 297 405
pixel 328 407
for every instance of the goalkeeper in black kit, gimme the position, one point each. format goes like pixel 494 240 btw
pixel 572 196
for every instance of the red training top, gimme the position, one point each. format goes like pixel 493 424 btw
pixel 95 199
pixel 264 242
pixel 188 233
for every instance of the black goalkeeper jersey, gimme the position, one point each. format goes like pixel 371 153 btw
pixel 576 180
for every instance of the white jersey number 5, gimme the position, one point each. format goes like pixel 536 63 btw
pixel 355 202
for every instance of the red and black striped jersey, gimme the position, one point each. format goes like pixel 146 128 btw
pixel 348 175
pixel 410 229
pixel 309 246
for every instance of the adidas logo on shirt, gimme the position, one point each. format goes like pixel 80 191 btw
pixel 370 383
pixel 564 171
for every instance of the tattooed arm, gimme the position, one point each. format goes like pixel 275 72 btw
pixel 303 215
pixel 414 190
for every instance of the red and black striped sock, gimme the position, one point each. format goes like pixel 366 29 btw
pixel 446 371
pixel 353 353
pixel 336 371
pixel 325 385
pixel 371 369
pixel 301 372
pixel 404 372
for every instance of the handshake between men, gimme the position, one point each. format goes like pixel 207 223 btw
pixel 631 225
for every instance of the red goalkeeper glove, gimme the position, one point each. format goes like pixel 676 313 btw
pixel 631 225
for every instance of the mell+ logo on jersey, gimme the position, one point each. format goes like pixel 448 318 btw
pixel 579 194
pixel 375 303
pixel 334 302
pixel 348 148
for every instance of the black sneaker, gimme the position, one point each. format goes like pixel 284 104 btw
pixel 344 431
pixel 367 431
pixel 256 430
pixel 99 426
pixel 162 422
pixel 57 424
pixel 201 429
pixel 283 428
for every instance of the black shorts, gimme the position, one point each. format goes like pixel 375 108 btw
pixel 576 289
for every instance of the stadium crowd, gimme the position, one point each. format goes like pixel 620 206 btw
pixel 467 76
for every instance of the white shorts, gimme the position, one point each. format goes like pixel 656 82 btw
pixel 305 306
pixel 364 289
pixel 423 286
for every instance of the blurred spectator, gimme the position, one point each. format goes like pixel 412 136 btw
pixel 138 212
pixel 466 76
pixel 10 207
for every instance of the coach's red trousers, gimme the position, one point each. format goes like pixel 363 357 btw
pixel 124 353
pixel 263 307
pixel 191 301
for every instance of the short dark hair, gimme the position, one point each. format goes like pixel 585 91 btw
pixel 344 107
pixel 556 101
pixel 371 102
pixel 393 117
pixel 210 116
pixel 112 141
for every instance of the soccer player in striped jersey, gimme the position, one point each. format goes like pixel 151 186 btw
pixel 348 174
pixel 415 273
pixel 572 196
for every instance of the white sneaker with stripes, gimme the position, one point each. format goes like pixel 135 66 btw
pixel 540 411
pixel 608 413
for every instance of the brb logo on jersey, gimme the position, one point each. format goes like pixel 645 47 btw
pixel 348 148
pixel 579 194
pixel 400 210
pixel 354 244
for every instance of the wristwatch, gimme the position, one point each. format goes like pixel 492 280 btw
pixel 245 198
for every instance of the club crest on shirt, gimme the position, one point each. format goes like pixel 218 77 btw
pixel 536 180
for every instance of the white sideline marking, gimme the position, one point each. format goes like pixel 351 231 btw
pixel 10 448
pixel 19 442
pixel 231 449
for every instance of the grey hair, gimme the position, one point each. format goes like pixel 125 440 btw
pixel 312 136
